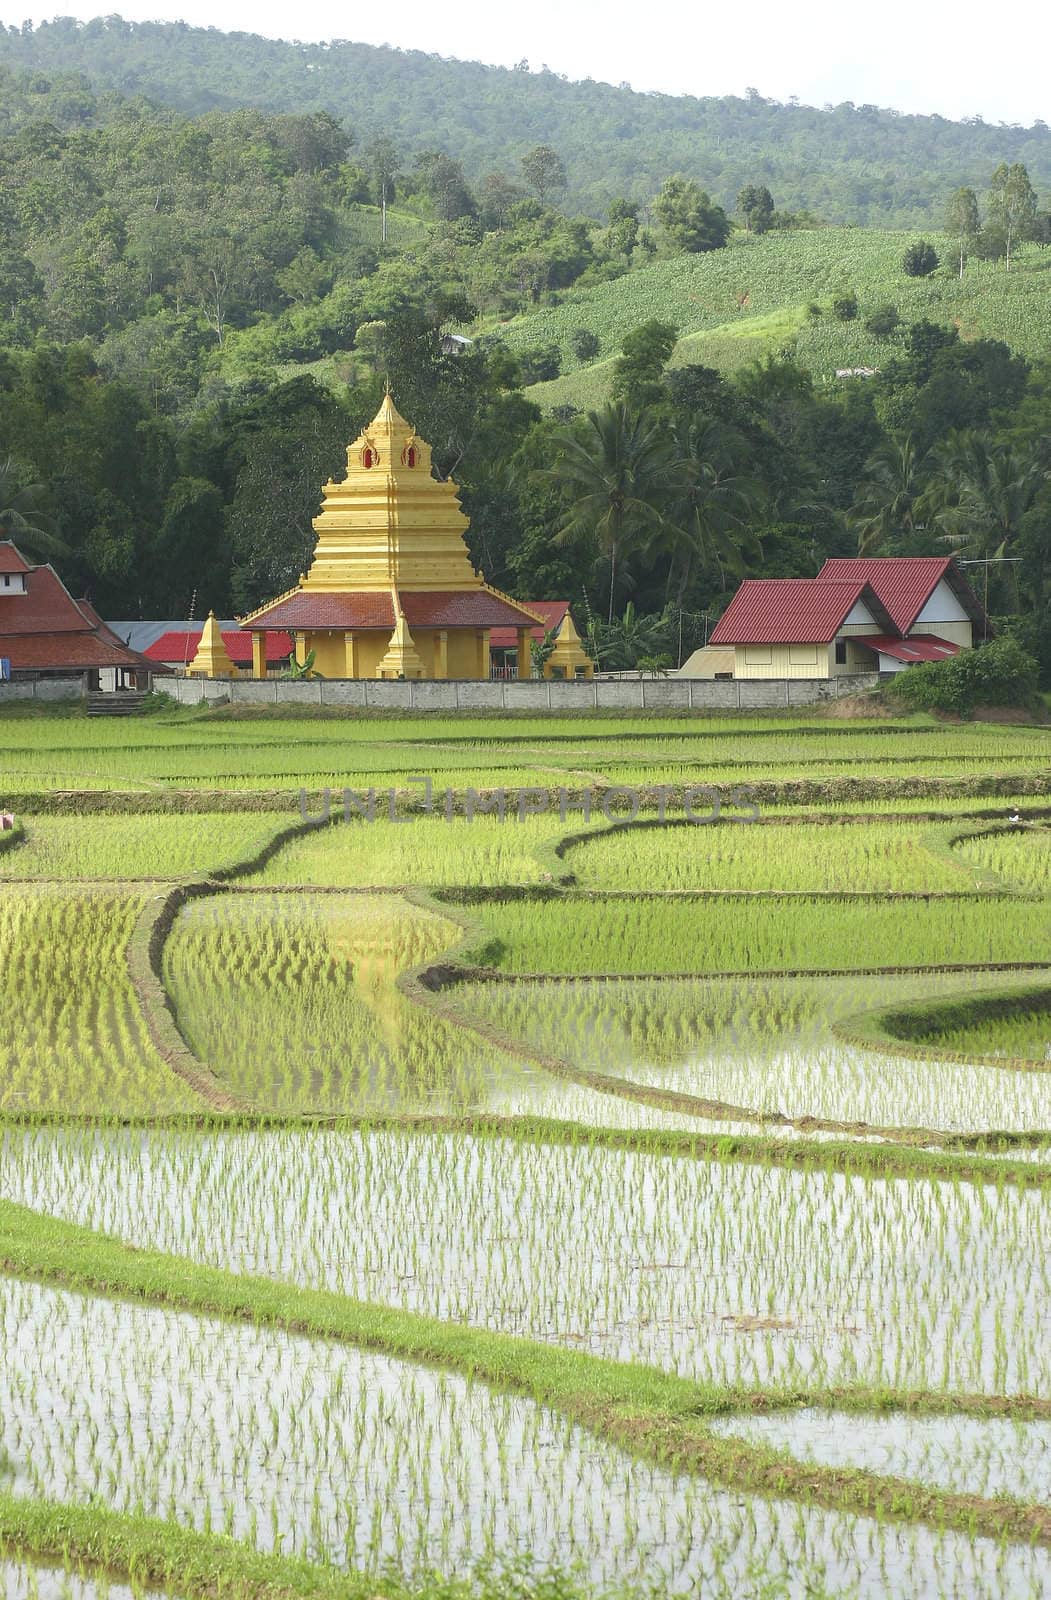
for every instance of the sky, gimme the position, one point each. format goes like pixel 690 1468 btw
pixel 953 59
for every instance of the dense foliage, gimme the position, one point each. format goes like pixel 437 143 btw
pixel 852 163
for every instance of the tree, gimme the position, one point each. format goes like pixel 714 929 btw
pixel 543 171
pixel 689 216
pixel 623 233
pixel 614 472
pixel 640 366
pixel 890 497
pixel 883 322
pixel 845 306
pixel 755 204
pixel 445 186
pixel 706 524
pixel 584 344
pixel 920 260
pixel 1012 204
pixel 499 194
pixel 963 222
pixel 986 488
pixel 22 517
pixel 383 164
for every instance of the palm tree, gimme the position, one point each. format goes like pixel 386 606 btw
pixel 616 474
pixel 706 524
pixel 21 519
pixel 984 491
pixel 891 498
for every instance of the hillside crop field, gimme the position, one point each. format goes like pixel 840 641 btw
pixel 431 1164
pixel 734 305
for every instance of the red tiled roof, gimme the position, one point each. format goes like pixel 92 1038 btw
pixel 792 611
pixel 178 648
pixel 46 607
pixel 45 628
pixel 919 647
pixel 553 613
pixel 904 583
pixel 305 610
pixel 466 608
pixel 11 560
pixel 76 651
pixel 362 610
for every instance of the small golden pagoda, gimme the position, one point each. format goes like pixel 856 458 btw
pixel 568 659
pixel 211 660
pixel 391 592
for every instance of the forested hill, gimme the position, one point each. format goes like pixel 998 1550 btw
pixel 849 163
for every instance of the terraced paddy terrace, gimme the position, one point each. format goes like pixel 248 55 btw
pixel 487 1159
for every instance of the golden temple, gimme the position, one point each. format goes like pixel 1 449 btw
pixel 391 592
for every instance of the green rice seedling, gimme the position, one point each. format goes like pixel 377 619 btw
pixel 741 934
pixel 72 1038
pixel 291 1000
pixel 916 1284
pixel 1022 857
pixel 482 850
pixel 358 1460
pixel 138 846
pixel 768 1045
pixel 987 1457
pixel 733 855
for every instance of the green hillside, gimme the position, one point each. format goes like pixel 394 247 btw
pixel 860 164
pixel 735 304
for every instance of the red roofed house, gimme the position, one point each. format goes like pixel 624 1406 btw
pixel 391 592
pixel 45 632
pixel 871 614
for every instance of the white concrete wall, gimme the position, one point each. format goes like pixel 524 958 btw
pixel 538 695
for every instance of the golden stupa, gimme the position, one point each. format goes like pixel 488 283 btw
pixel 391 592
pixel 211 660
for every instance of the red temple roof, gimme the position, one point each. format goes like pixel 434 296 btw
pixel 308 610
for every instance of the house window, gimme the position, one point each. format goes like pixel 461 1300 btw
pixel 841 652
pixel 758 655
pixel 802 655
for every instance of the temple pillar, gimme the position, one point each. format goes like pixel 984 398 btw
pixel 350 645
pixel 441 654
pixel 482 640
pixel 299 647
pixel 259 655
pixel 525 654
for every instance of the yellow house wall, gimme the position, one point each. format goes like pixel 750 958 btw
pixel 782 661
pixel 858 658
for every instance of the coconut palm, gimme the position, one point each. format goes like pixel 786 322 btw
pixel 21 518
pixel 985 490
pixel 615 473
pixel 706 523
pixel 892 496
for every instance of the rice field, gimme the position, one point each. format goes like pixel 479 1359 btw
pixel 65 847
pixel 645 1147
pixel 738 855
pixel 742 934
pixel 768 1046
